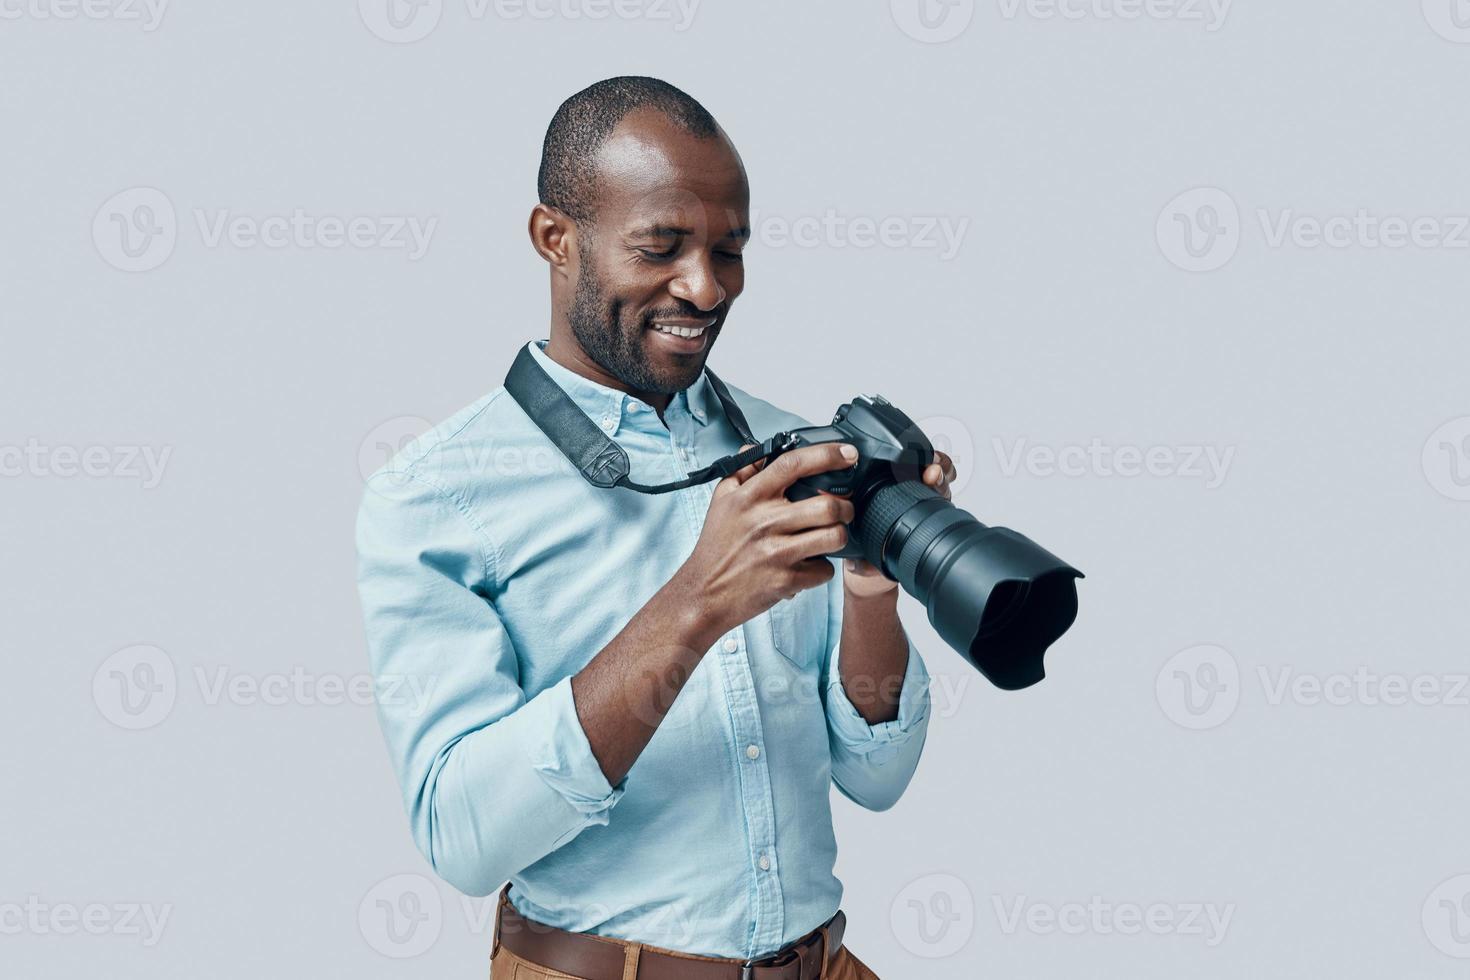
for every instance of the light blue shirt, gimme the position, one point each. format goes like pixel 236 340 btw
pixel 490 572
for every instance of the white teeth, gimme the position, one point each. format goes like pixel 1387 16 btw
pixel 679 331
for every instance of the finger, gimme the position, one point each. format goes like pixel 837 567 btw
pixel 748 470
pixel 820 511
pixel 818 541
pixel 791 466
pixel 812 572
pixel 946 461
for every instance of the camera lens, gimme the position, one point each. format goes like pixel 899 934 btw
pixel 992 594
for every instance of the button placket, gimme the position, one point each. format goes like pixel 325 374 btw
pixel 756 796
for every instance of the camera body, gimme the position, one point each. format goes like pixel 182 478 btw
pixel 891 449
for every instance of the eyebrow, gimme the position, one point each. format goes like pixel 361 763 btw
pixel 672 231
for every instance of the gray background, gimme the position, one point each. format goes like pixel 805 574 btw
pixel 1157 766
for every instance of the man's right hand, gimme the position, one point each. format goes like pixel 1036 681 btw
pixel 757 547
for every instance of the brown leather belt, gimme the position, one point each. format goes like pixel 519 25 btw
pixel 604 958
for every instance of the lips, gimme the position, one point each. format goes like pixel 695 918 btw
pixel 684 328
pixel 683 336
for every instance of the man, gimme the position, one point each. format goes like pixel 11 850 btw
pixel 639 702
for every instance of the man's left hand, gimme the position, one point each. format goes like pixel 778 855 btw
pixel 862 579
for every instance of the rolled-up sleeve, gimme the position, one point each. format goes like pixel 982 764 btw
pixel 872 764
pixel 491 781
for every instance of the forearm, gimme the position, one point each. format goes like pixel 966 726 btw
pixel 873 655
pixel 624 692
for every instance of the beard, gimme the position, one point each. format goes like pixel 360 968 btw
pixel 618 342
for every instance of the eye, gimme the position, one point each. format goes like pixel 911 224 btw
pixel 667 253
pixel 731 256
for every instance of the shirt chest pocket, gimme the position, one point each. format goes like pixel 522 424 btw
pixel 799 626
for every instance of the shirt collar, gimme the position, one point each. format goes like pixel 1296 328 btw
pixel 609 407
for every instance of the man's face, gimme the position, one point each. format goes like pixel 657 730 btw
pixel 661 254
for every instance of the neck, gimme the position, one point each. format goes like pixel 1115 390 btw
pixel 570 355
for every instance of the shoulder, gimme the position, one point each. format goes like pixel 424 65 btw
pixel 765 417
pixel 458 449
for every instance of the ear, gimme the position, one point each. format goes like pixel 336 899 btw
pixel 553 235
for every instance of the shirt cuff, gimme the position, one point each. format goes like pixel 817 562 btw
pixel 560 753
pixel 879 741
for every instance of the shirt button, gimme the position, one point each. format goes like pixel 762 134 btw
pixel 730 646
pixel 608 424
pixel 635 406
pixel 752 751
pixel 765 863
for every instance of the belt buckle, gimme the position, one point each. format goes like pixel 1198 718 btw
pixel 782 957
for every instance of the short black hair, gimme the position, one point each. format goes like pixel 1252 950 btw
pixel 584 121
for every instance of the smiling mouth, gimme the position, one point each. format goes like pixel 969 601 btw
pixel 687 331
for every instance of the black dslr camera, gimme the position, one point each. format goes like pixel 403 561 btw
pixel 992 594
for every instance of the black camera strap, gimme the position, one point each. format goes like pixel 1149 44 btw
pixel 600 460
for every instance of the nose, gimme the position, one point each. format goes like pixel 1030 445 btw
pixel 696 283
